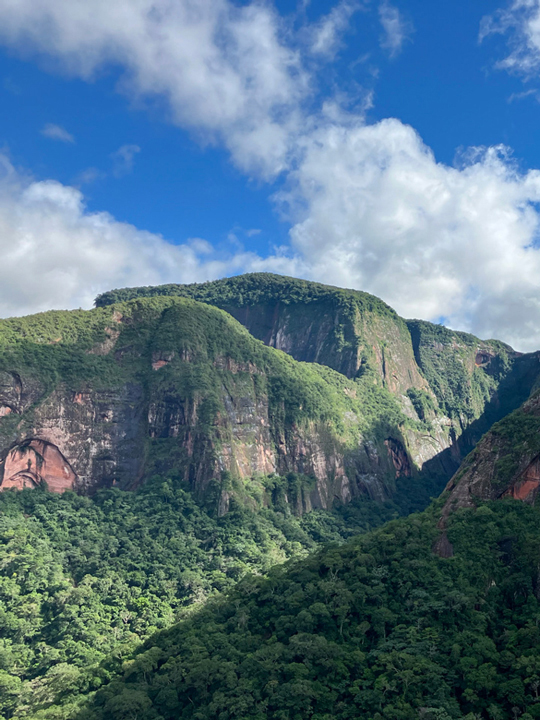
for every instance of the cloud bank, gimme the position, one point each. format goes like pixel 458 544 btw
pixel 369 205
pixel 375 211
pixel 224 70
pixel 56 254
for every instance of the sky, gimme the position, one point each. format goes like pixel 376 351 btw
pixel 390 146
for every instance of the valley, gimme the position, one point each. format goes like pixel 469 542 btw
pixel 164 454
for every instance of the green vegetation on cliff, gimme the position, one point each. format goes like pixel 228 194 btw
pixel 217 391
pixel 520 436
pixel 448 360
pixel 506 451
pixel 252 289
pixel 346 330
pixel 357 334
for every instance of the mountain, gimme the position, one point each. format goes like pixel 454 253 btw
pixel 116 395
pixel 158 449
pixel 165 383
pixel 455 383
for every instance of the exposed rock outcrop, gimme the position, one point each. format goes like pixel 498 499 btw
pixel 34 463
pixel 505 463
pixel 184 389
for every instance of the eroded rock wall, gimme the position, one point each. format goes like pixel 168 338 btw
pixel 185 413
pixel 174 386
pixel 100 435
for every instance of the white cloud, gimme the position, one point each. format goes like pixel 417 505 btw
pixel 396 30
pixel 327 32
pixel 224 69
pixel 57 132
pixel 521 22
pixel 57 254
pixel 375 211
pixel 124 159
pixel 370 206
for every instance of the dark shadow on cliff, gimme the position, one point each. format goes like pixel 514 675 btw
pixel 415 494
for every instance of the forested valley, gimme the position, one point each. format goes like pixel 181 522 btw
pixel 265 498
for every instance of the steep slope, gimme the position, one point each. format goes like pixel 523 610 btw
pixel 380 628
pixel 505 463
pixel 350 331
pixel 455 383
pixel 171 386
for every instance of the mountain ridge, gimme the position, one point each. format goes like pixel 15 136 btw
pixel 206 453
pixel 94 374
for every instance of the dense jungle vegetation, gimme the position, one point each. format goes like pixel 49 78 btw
pixel 380 627
pixel 83 578
pixel 252 289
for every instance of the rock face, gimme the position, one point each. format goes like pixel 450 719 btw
pixel 97 434
pixel 454 383
pixel 34 463
pixel 505 463
pixel 168 386
pixel 180 387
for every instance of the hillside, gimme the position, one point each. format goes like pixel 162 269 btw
pixel 380 628
pixel 173 442
pixel 456 382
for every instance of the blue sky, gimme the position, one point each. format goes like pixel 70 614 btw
pixel 389 146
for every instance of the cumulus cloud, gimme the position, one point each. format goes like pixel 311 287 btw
pixel 371 209
pixel 224 69
pixel 57 132
pixel 520 21
pixel 375 211
pixel 369 205
pixel 57 254
pixel 396 30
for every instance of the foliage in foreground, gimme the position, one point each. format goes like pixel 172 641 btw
pixel 378 628
pixel 81 578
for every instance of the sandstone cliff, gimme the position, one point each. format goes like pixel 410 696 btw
pixel 172 386
pixel 452 382
pixel 165 385
pixel 505 463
